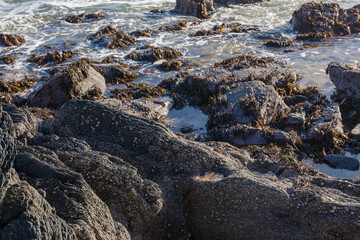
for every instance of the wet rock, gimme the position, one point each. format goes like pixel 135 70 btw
pixel 54 57
pixel 7 60
pixel 167 66
pixel 67 192
pixel 342 162
pixel 112 38
pixel 174 28
pixel 237 1
pixel 120 73
pixel 84 16
pixel 224 28
pixel 279 43
pixel 356 132
pixel 140 33
pixel 314 36
pixel 77 81
pixel 346 77
pixel 136 91
pixel 25 214
pixel 198 8
pixel 10 40
pixel 153 54
pixel 297 119
pixel 326 17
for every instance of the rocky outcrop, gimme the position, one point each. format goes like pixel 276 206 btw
pixel 198 8
pixel 77 81
pixel 25 214
pixel 326 18
pixel 11 40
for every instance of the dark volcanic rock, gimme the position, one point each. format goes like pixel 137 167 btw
pixel 326 17
pixel 112 38
pixel 25 214
pixel 10 40
pixel 198 8
pixel 342 162
pixel 153 54
pixel 84 16
pixel 77 81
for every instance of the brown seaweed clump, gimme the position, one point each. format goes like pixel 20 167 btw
pixel 168 66
pixel 11 40
pixel 120 73
pixel 243 62
pixel 152 54
pixel 314 36
pixel 7 60
pixel 17 86
pixel 112 38
pixel 279 43
pixel 174 28
pixel 81 17
pixel 136 91
pixel 53 57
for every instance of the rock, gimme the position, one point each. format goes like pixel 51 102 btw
pixel 297 119
pixel 66 191
pixel 174 28
pixel 77 81
pixel 10 40
pixel 237 1
pixel 197 8
pixel 25 214
pixel 137 91
pixel 279 43
pixel 356 132
pixel 131 199
pixel 25 123
pixel 167 66
pixel 7 60
pixel 153 54
pixel 346 77
pixel 112 38
pixel 84 16
pixel 139 33
pixel 120 73
pixel 54 57
pixel 314 36
pixel 326 18
pixel 342 162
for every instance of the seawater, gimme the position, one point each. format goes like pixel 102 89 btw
pixel 42 22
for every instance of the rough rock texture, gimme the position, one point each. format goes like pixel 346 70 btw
pixel 346 77
pixel 326 17
pixel 10 40
pixel 198 8
pixel 342 162
pixel 25 214
pixel 77 81
pixel 66 191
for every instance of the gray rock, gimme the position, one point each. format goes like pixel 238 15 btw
pixel 131 199
pixel 67 192
pixel 25 214
pixel 342 162
pixel 346 77
pixel 296 119
pixel 25 123
pixel 196 8
pixel 77 81
pixel 356 132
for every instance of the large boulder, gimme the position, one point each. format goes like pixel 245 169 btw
pixel 25 214
pixel 77 81
pixel 326 17
pixel 346 78
pixel 198 8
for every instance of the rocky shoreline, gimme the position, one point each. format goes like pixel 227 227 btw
pixel 77 165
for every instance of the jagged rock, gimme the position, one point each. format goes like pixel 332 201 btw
pixel 77 81
pixel 66 191
pixel 198 8
pixel 346 77
pixel 25 214
pixel 342 162
pixel 131 199
pixel 112 38
pixel 326 17
pixel 10 40
pixel 25 123
pixel 153 54
pixel 84 16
